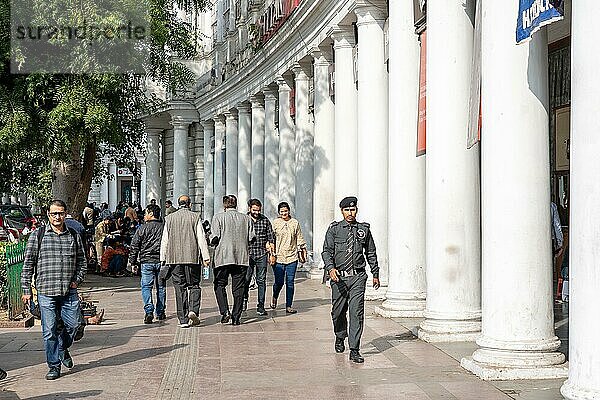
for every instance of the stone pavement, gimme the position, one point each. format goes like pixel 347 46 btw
pixel 276 357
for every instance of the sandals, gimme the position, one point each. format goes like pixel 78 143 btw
pixel 290 310
pixel 274 303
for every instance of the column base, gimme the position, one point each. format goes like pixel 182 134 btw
pixel 489 372
pixel 372 294
pixel 573 392
pixel 444 331
pixel 401 308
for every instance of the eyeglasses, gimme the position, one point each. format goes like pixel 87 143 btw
pixel 57 214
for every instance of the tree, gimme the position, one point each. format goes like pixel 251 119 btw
pixel 57 125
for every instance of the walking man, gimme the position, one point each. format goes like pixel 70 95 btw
pixel 346 245
pixel 232 232
pixel 58 261
pixel 259 251
pixel 145 250
pixel 182 245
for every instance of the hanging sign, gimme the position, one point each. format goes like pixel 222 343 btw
pixel 534 14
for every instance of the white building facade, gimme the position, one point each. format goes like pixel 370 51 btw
pixel 308 101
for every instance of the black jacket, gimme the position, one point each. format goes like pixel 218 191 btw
pixel 145 245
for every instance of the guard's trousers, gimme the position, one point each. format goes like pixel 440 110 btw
pixel 348 296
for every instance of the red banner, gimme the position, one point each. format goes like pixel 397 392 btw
pixel 421 137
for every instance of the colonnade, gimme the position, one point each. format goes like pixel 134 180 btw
pixel 462 233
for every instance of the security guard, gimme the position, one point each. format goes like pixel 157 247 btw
pixel 346 245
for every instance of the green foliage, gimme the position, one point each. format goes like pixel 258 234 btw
pixel 45 116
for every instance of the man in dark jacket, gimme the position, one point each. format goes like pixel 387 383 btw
pixel 145 250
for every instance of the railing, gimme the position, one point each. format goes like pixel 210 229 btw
pixel 15 254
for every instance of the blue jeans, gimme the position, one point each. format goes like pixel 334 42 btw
pixel 287 271
pixel 149 276
pixel 52 308
pixel 261 279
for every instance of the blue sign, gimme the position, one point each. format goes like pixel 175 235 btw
pixel 533 14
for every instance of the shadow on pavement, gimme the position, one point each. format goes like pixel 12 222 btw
pixel 60 395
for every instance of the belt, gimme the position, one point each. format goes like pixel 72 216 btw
pixel 351 272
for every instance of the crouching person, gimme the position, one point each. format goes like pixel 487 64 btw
pixel 57 259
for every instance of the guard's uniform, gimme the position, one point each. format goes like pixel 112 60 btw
pixel 345 248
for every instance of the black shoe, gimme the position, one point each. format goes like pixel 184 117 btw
pixel 245 305
pixel 79 334
pixel 225 318
pixel 2 374
pixel 53 373
pixel 67 360
pixel 356 357
pixel 261 311
pixel 148 318
pixel 235 321
pixel 339 345
pixel 161 317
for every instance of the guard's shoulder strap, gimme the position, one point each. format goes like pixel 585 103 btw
pixel 40 236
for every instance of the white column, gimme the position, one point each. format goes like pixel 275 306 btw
pixel 405 296
pixel 304 156
pixel 5 198
pixel 143 179
pixel 287 141
pixel 453 309
pixel 373 131
pixel 244 155
pixel 209 157
pixel 219 179
pixel 271 196
pixel 198 163
pixel 14 199
pixel 515 345
pixel 104 183
pixel 152 165
pixel 324 155
pixel 231 152
pixel 113 195
pixel 180 158
pixel 584 307
pixel 257 184
pixel 23 198
pixel 346 130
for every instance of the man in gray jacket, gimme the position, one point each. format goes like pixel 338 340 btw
pixel 232 232
pixel 183 244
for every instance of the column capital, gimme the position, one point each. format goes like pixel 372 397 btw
pixel 301 71
pixel 244 108
pixel 154 131
pixel 219 119
pixel 369 11
pixel 270 93
pixel 322 57
pixel 282 83
pixel 257 100
pixel 231 114
pixel 183 116
pixel 343 36
pixel 208 124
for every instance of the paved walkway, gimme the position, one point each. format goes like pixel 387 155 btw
pixel 276 357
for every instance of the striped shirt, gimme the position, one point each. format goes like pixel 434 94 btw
pixel 264 233
pixel 60 261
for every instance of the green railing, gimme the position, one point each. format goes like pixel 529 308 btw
pixel 15 254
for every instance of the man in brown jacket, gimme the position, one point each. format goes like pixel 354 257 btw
pixel 182 247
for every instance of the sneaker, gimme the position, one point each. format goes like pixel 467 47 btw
pixel 148 318
pixel 193 318
pixel 184 325
pixel 67 360
pixel 2 374
pixel 161 317
pixel 261 311
pixel 53 373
